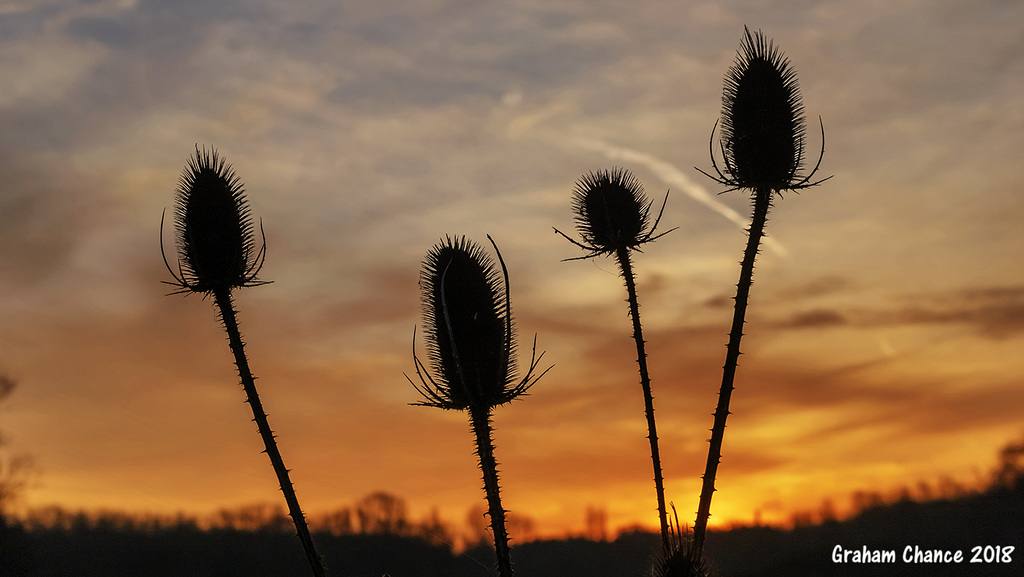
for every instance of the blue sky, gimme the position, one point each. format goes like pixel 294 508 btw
pixel 885 324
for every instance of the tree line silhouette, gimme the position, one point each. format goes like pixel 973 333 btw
pixel 258 540
pixel 471 366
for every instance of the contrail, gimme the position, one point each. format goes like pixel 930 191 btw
pixel 674 178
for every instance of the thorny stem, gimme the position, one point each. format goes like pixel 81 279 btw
pixel 762 203
pixel 481 421
pixel 227 315
pixel 645 381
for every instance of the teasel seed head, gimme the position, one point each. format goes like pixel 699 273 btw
pixel 213 228
pixel 612 213
pixel 469 330
pixel 681 559
pixel 763 125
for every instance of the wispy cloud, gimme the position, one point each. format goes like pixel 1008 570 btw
pixel 672 176
pixel 992 312
pixel 365 131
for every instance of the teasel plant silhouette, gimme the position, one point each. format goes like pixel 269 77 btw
pixel 471 348
pixel 680 559
pixel 217 253
pixel 763 131
pixel 612 215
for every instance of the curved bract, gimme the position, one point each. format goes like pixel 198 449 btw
pixel 611 209
pixel 470 335
pixel 763 129
pixel 213 228
pixel 762 147
pixel 612 213
pixel 681 558
pixel 216 253
pixel 471 348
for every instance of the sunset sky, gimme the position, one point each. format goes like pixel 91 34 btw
pixel 886 323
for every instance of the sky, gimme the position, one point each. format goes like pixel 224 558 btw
pixel 886 319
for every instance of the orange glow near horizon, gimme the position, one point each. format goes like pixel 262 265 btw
pixel 797 438
pixel 882 349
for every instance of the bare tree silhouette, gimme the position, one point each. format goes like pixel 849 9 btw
pixel 15 470
pixel 382 512
pixel 16 555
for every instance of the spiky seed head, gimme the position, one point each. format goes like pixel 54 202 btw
pixel 763 122
pixel 468 326
pixel 682 559
pixel 214 229
pixel 681 562
pixel 611 210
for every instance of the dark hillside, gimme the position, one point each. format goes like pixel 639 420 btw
pixel 97 548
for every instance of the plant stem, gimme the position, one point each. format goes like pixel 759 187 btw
pixel 481 421
pixel 762 203
pixel 645 382
pixel 227 315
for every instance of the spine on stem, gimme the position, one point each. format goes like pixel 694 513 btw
pixel 217 253
pixel 613 218
pixel 481 420
pixel 762 203
pixel 762 146
pixel 228 316
pixel 471 345
pixel 645 382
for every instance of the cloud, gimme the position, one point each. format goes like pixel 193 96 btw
pixel 45 215
pixel 672 176
pixel 814 319
pixel 365 131
pixel 993 312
